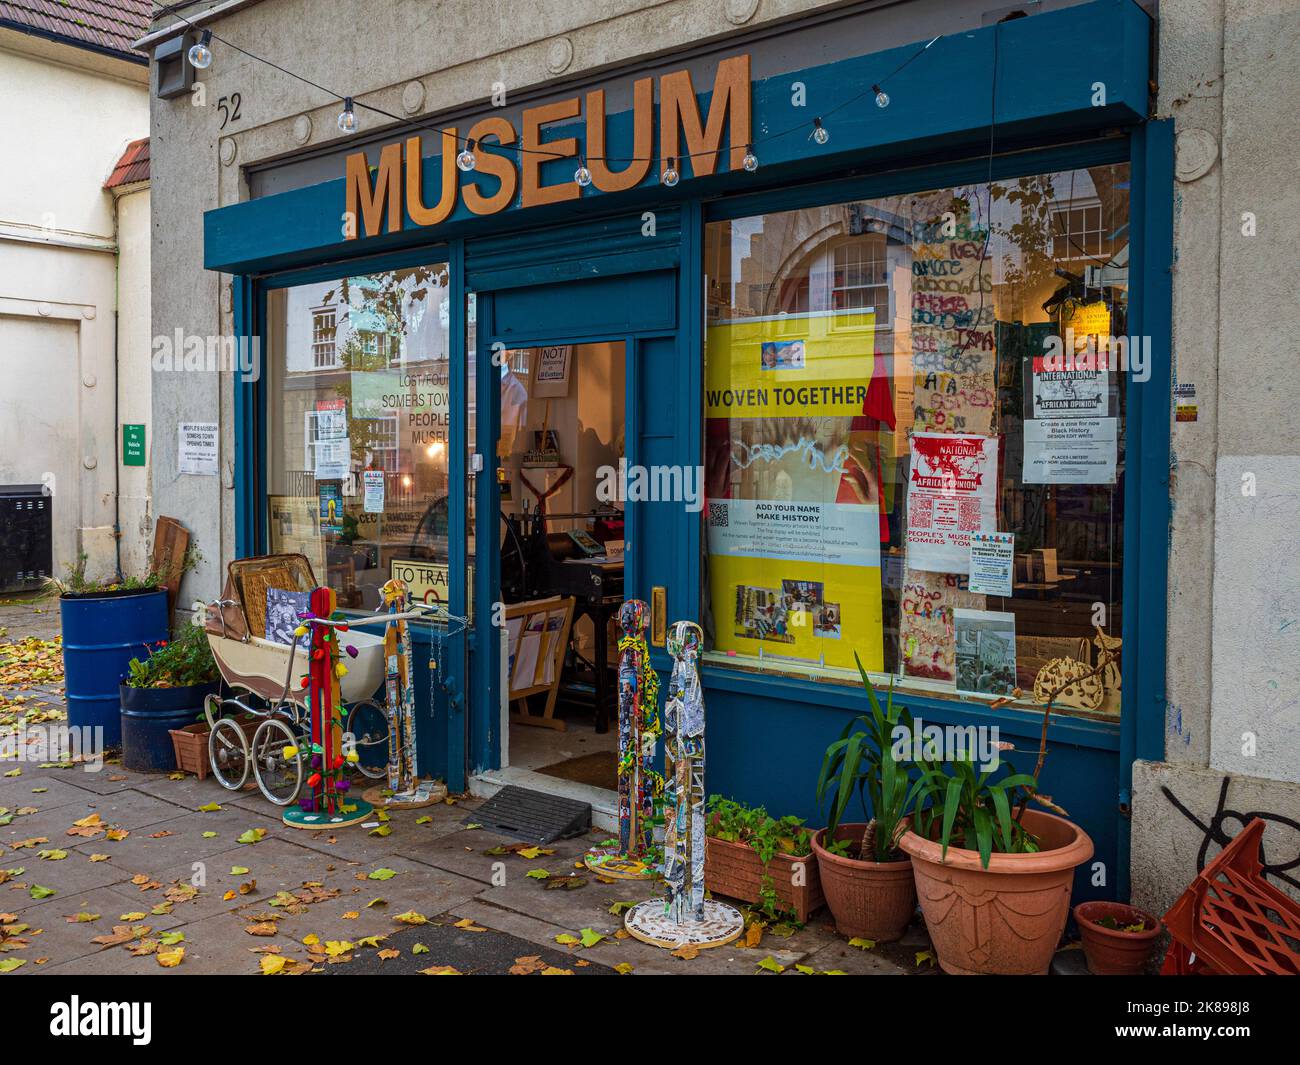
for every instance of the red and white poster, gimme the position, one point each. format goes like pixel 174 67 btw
pixel 952 492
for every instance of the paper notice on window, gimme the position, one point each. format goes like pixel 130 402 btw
pixel 1071 393
pixel 951 494
pixel 197 451
pixel 332 459
pixel 1070 451
pixel 373 499
pixel 333 448
pixel 992 562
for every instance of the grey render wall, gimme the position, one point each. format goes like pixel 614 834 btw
pixel 1229 79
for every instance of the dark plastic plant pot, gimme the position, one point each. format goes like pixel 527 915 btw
pixel 149 714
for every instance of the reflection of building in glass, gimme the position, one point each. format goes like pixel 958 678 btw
pixel 359 369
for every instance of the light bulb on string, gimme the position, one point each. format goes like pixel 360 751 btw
pixel 670 176
pixel 582 175
pixel 750 162
pixel 882 97
pixel 819 133
pixel 466 160
pixel 347 117
pixel 200 53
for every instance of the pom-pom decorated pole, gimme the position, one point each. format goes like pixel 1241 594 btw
pixel 323 804
pixel 636 857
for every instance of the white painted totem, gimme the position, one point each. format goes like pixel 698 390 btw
pixel 684 777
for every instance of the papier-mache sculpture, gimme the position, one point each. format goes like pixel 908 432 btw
pixel 636 857
pixel 684 777
pixel 683 916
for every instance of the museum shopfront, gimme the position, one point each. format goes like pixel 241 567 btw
pixel 859 361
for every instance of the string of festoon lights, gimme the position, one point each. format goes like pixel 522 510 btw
pixel 200 57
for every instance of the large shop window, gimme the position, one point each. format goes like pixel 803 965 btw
pixel 358 430
pixel 914 436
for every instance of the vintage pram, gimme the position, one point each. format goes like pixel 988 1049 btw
pixel 268 680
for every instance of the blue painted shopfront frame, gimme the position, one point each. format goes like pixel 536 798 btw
pixel 767 732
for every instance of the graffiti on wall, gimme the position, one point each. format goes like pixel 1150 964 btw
pixel 1219 831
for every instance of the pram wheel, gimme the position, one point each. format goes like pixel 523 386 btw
pixel 368 726
pixel 279 777
pixel 228 754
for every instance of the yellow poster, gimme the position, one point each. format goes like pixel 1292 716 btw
pixel 793 521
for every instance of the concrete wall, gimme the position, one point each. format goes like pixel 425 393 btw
pixel 67 117
pixel 134 376
pixel 1227 73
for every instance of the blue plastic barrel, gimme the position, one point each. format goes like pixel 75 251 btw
pixel 149 715
pixel 101 634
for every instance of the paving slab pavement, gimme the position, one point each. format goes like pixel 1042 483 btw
pixel 444 871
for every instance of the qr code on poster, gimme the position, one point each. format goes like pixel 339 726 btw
pixel 968 514
pixel 921 512
pixel 718 515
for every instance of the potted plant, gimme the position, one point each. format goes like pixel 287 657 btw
pixel 164 691
pixel 1117 939
pixel 994 877
pixel 756 858
pixel 866 876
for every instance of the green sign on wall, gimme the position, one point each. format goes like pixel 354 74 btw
pixel 132 445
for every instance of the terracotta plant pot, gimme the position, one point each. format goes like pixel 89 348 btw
pixel 1005 919
pixel 869 900
pixel 736 871
pixel 1109 951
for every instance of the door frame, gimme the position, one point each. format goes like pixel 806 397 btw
pixel 489 720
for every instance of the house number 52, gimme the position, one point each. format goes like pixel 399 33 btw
pixel 229 107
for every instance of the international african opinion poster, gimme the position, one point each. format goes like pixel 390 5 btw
pixel 793 519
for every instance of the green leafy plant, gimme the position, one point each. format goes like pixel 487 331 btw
pixel 176 663
pixel 76 582
pixel 768 836
pixel 1111 923
pixel 962 805
pixel 862 761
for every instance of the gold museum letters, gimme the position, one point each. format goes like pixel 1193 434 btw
pixel 398 177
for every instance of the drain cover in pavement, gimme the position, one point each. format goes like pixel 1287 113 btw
pixel 531 815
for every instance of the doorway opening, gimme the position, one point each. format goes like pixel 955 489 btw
pixel 563 420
